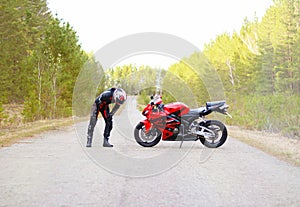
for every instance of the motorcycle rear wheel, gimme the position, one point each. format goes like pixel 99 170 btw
pixel 144 139
pixel 220 134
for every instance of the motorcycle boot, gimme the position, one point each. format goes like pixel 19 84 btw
pixel 89 141
pixel 107 130
pixel 106 143
pixel 91 127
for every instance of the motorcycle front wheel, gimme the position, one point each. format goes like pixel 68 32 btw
pixel 145 139
pixel 216 134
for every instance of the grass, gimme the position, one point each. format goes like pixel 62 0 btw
pixel 274 113
pixel 15 130
pixel 11 135
pixel 284 148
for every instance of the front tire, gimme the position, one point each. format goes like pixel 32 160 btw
pixel 144 139
pixel 220 134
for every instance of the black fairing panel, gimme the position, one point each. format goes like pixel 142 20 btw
pixel 194 113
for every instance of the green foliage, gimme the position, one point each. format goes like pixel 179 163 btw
pixel 32 109
pixel 132 79
pixel 21 31
pixel 3 115
pixel 260 69
pixel 91 76
pixel 143 98
pixel 267 112
pixel 264 57
pixel 167 97
pixel 279 48
pixel 192 81
pixel 126 77
pixel 40 59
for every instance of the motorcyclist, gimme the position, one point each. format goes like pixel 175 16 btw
pixel 112 95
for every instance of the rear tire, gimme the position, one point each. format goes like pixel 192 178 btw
pixel 146 139
pixel 220 134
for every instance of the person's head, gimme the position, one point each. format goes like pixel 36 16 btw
pixel 119 96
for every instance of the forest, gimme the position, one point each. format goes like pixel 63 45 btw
pixel 256 69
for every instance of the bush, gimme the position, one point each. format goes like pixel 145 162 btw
pixel 143 98
pixel 31 109
pixel 276 113
pixel 3 115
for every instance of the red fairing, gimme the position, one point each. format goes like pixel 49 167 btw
pixel 147 110
pixel 161 120
pixel 147 124
pixel 177 108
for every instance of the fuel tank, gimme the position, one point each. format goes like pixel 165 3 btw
pixel 177 108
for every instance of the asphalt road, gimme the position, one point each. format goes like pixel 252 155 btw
pixel 55 169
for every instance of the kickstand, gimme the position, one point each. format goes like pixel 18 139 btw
pixel 181 142
pixel 182 136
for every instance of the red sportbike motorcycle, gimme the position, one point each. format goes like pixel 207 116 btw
pixel 176 122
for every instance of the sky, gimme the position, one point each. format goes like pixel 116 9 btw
pixel 99 22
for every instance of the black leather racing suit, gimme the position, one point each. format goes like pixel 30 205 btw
pixel 102 104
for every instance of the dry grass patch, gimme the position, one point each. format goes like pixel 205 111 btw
pixel 284 148
pixel 11 135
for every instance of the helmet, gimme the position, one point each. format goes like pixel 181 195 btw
pixel 119 96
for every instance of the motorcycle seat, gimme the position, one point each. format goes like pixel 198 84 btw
pixel 214 104
pixel 198 110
